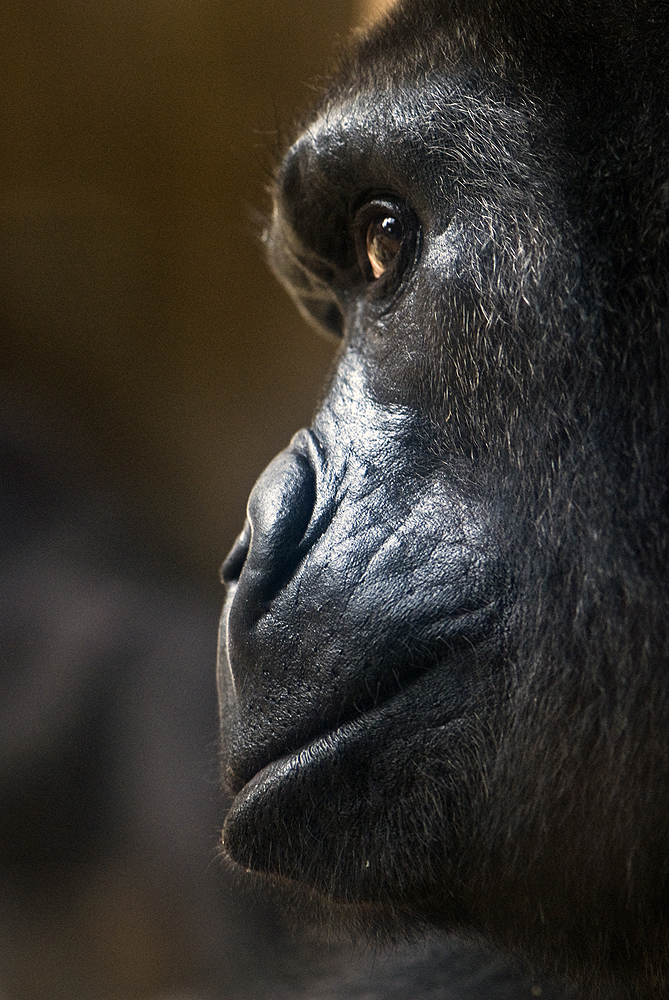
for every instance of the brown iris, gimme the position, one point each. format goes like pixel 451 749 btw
pixel 384 240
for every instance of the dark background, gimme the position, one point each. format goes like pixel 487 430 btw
pixel 138 137
pixel 150 367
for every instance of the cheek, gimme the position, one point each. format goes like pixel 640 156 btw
pixel 444 254
pixel 402 350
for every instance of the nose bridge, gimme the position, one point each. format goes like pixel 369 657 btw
pixel 353 426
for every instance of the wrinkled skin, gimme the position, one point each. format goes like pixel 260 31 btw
pixel 330 509
pixel 443 670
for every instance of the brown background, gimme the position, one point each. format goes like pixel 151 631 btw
pixel 137 140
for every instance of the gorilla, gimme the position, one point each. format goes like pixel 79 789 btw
pixel 444 669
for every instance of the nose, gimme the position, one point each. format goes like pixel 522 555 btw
pixel 279 511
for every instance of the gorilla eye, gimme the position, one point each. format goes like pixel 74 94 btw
pixel 384 241
pixel 385 232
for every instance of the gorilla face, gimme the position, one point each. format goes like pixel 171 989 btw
pixel 443 666
pixel 366 621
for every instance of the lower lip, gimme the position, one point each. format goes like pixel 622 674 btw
pixel 284 767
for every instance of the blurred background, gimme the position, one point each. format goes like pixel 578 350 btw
pixel 150 368
pixel 138 139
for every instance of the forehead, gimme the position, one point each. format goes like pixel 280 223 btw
pixel 436 106
pixel 451 124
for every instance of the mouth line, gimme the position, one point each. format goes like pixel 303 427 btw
pixel 457 669
pixel 311 754
pixel 359 721
pixel 312 751
pixel 360 710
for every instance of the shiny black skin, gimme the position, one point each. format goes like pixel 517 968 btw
pixel 444 663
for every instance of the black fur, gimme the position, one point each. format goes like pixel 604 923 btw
pixel 444 679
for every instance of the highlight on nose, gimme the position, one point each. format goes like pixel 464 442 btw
pixel 279 511
pixel 236 557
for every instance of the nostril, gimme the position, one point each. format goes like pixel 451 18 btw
pixel 234 561
pixel 279 512
pixel 280 509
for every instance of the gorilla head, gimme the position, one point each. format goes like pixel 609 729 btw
pixel 444 661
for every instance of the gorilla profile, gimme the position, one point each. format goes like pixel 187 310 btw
pixel 445 656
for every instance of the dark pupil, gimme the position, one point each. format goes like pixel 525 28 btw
pixel 384 239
